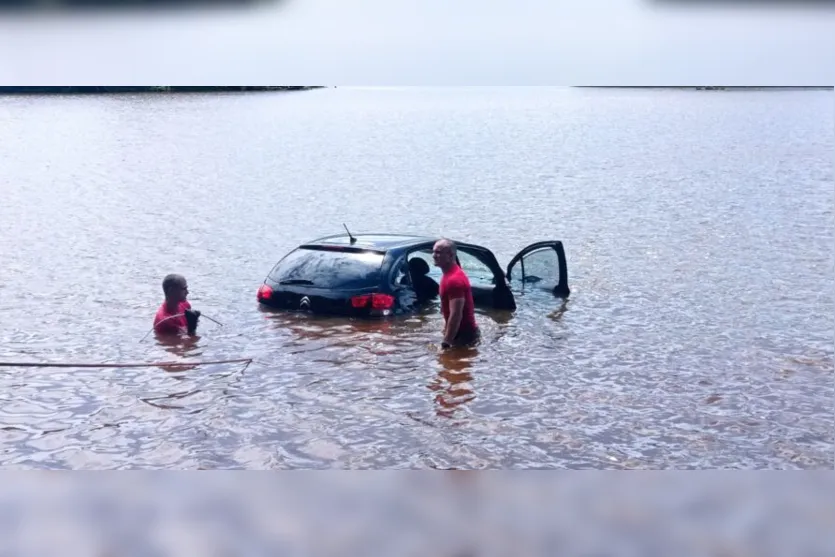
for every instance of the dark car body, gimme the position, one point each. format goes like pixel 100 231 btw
pixel 368 275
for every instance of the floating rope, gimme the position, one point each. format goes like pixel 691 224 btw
pixel 210 319
pixel 152 364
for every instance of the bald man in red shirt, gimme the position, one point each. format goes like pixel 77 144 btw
pixel 457 305
pixel 175 315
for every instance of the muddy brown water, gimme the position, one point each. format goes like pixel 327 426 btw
pixel 698 228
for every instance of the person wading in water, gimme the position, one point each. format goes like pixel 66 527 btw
pixel 175 315
pixel 457 305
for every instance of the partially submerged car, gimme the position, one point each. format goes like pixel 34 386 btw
pixel 377 275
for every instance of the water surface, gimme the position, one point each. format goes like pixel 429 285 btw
pixel 698 228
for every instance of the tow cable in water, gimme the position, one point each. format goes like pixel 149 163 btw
pixel 246 361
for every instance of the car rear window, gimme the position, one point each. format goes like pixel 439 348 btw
pixel 320 268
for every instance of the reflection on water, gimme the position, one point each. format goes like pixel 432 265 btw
pixel 181 346
pixel 453 383
pixel 698 332
pixel 557 314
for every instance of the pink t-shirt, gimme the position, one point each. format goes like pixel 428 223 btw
pixel 174 325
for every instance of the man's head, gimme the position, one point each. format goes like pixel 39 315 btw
pixel 443 253
pixel 175 288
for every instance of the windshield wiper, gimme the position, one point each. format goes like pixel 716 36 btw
pixel 296 281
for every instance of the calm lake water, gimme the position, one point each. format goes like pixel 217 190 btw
pixel 698 227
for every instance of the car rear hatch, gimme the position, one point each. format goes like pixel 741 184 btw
pixel 314 300
pixel 327 280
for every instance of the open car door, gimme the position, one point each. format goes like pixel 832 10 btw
pixel 540 266
pixel 489 286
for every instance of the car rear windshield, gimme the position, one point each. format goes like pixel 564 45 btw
pixel 320 268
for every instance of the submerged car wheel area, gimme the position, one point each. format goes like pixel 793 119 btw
pixel 379 275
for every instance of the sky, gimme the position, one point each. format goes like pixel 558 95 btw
pixel 428 42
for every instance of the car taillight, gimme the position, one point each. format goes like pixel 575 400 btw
pixel 360 301
pixel 264 292
pixel 382 301
pixel 377 301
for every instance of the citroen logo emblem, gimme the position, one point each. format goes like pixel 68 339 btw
pixel 305 303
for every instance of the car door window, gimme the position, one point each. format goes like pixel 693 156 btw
pixel 538 267
pixel 399 274
pixel 434 272
pixel 421 271
pixel 479 274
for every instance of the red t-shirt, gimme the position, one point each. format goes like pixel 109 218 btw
pixel 175 324
pixel 455 284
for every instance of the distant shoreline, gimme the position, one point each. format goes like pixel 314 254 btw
pixel 98 90
pixel 712 87
pixel 109 90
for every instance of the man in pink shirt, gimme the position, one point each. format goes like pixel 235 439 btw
pixel 175 315
pixel 457 305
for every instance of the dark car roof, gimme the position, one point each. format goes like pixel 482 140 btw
pixel 379 242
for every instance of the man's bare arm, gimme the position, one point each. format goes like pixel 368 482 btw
pixel 456 312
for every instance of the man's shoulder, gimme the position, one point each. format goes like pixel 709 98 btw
pixel 461 276
pixel 456 279
pixel 160 317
